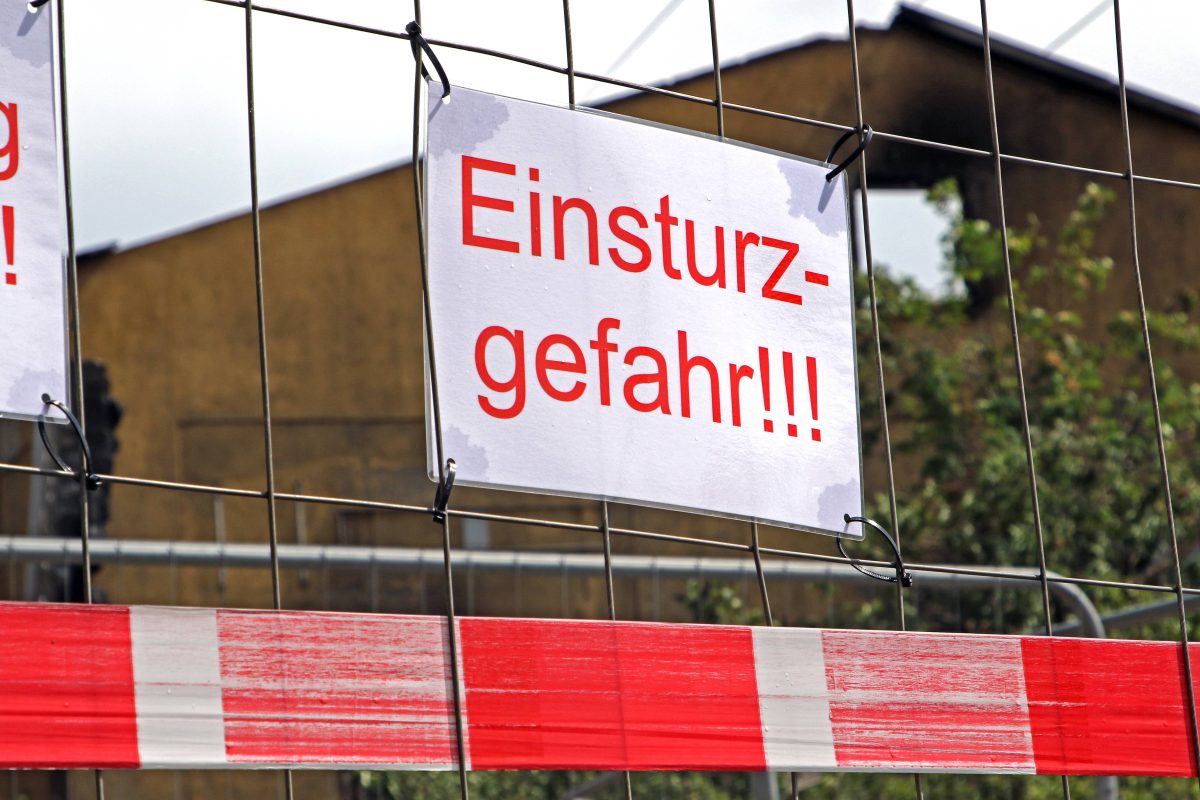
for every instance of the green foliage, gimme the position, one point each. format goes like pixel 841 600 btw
pixel 962 468
pixel 718 603
pixel 962 471
pixel 484 785
pixel 958 430
pixel 545 785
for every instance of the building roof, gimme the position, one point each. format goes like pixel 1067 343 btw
pixel 1003 50
pixel 906 18
pixel 1006 50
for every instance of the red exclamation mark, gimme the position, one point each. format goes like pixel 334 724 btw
pixel 812 395
pixel 789 385
pixel 10 278
pixel 764 372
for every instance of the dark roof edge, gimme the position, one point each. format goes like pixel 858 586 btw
pixel 1005 49
pixel 744 60
pixel 106 248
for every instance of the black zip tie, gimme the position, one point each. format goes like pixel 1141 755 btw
pixel 92 479
pixel 417 40
pixel 901 577
pixel 442 498
pixel 864 139
pixel 37 3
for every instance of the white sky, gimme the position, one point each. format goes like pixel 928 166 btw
pixel 157 87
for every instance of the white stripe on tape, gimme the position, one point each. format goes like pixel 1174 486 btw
pixel 177 687
pixel 793 698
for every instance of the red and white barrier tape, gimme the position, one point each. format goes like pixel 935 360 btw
pixel 111 686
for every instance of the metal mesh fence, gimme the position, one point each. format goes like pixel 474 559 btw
pixel 762 579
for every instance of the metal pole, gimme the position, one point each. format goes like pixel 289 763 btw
pixel 77 399
pixel 209 554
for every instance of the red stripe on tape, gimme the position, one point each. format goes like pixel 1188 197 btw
pixel 315 688
pixel 545 694
pixel 66 687
pixel 1108 707
pixel 922 701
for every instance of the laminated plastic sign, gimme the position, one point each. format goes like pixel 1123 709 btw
pixel 33 351
pixel 635 313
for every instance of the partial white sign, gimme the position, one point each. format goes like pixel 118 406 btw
pixel 33 351
pixel 628 312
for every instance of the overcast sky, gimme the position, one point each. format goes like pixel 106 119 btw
pixel 157 87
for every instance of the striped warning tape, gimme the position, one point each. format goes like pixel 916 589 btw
pixel 114 686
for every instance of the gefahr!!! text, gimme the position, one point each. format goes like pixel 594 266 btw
pixel 642 378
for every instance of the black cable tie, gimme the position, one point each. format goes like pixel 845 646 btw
pixel 90 477
pixel 442 498
pixel 901 577
pixel 417 40
pixel 36 4
pixel 864 139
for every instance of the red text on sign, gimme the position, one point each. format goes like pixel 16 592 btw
pixel 10 152
pixel 10 162
pixel 632 247
pixel 640 378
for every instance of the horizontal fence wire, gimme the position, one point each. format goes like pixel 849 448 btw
pixel 596 528
pixel 706 101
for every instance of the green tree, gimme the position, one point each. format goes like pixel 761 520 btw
pixel 956 405
pixel 963 493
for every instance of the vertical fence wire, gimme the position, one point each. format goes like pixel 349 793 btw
pixel 439 446
pixel 76 347
pixel 606 533
pixel 1143 315
pixel 76 328
pixel 762 578
pixel 873 301
pixel 605 530
pixel 570 43
pixel 1018 364
pixel 768 618
pixel 718 95
pixel 869 264
pixel 261 306
pixel 719 104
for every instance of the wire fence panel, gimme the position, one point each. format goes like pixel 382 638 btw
pixel 1026 394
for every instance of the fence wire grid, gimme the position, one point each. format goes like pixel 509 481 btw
pixel 269 494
